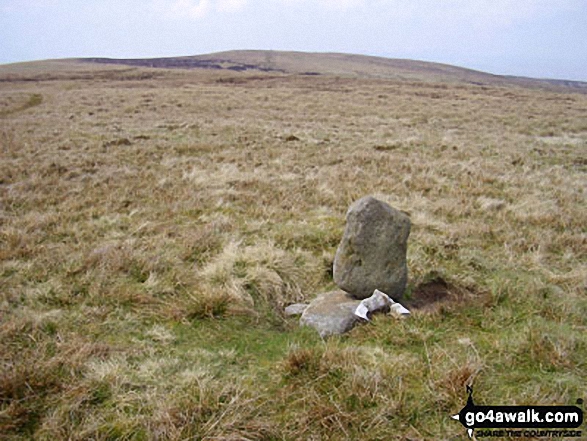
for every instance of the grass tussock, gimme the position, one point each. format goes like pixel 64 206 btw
pixel 260 275
pixel 153 227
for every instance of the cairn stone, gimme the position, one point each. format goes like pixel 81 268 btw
pixel 372 252
pixel 295 309
pixel 337 312
pixel 331 313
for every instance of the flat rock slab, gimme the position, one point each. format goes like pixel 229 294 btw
pixel 295 309
pixel 331 313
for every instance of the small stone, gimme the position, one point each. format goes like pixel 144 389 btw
pixel 295 309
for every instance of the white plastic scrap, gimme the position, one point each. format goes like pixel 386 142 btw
pixel 377 301
pixel 399 308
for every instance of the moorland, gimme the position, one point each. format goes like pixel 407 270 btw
pixel 155 219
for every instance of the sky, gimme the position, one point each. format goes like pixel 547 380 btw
pixel 535 38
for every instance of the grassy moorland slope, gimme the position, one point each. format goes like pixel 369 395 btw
pixel 153 223
pixel 345 65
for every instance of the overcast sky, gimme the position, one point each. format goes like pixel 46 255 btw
pixel 538 38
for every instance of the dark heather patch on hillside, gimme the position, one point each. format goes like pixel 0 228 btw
pixel 246 79
pixel 183 63
pixel 115 75
pixel 580 86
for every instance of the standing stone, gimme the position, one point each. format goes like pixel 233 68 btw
pixel 372 252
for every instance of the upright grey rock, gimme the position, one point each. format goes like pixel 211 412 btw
pixel 372 252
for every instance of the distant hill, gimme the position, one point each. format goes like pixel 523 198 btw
pixel 297 63
pixel 348 65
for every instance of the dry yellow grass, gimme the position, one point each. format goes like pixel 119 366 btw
pixel 153 224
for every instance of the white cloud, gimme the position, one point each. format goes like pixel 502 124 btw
pixel 23 5
pixel 505 11
pixel 230 5
pixel 330 4
pixel 496 12
pixel 190 8
pixel 196 9
pixel 342 4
